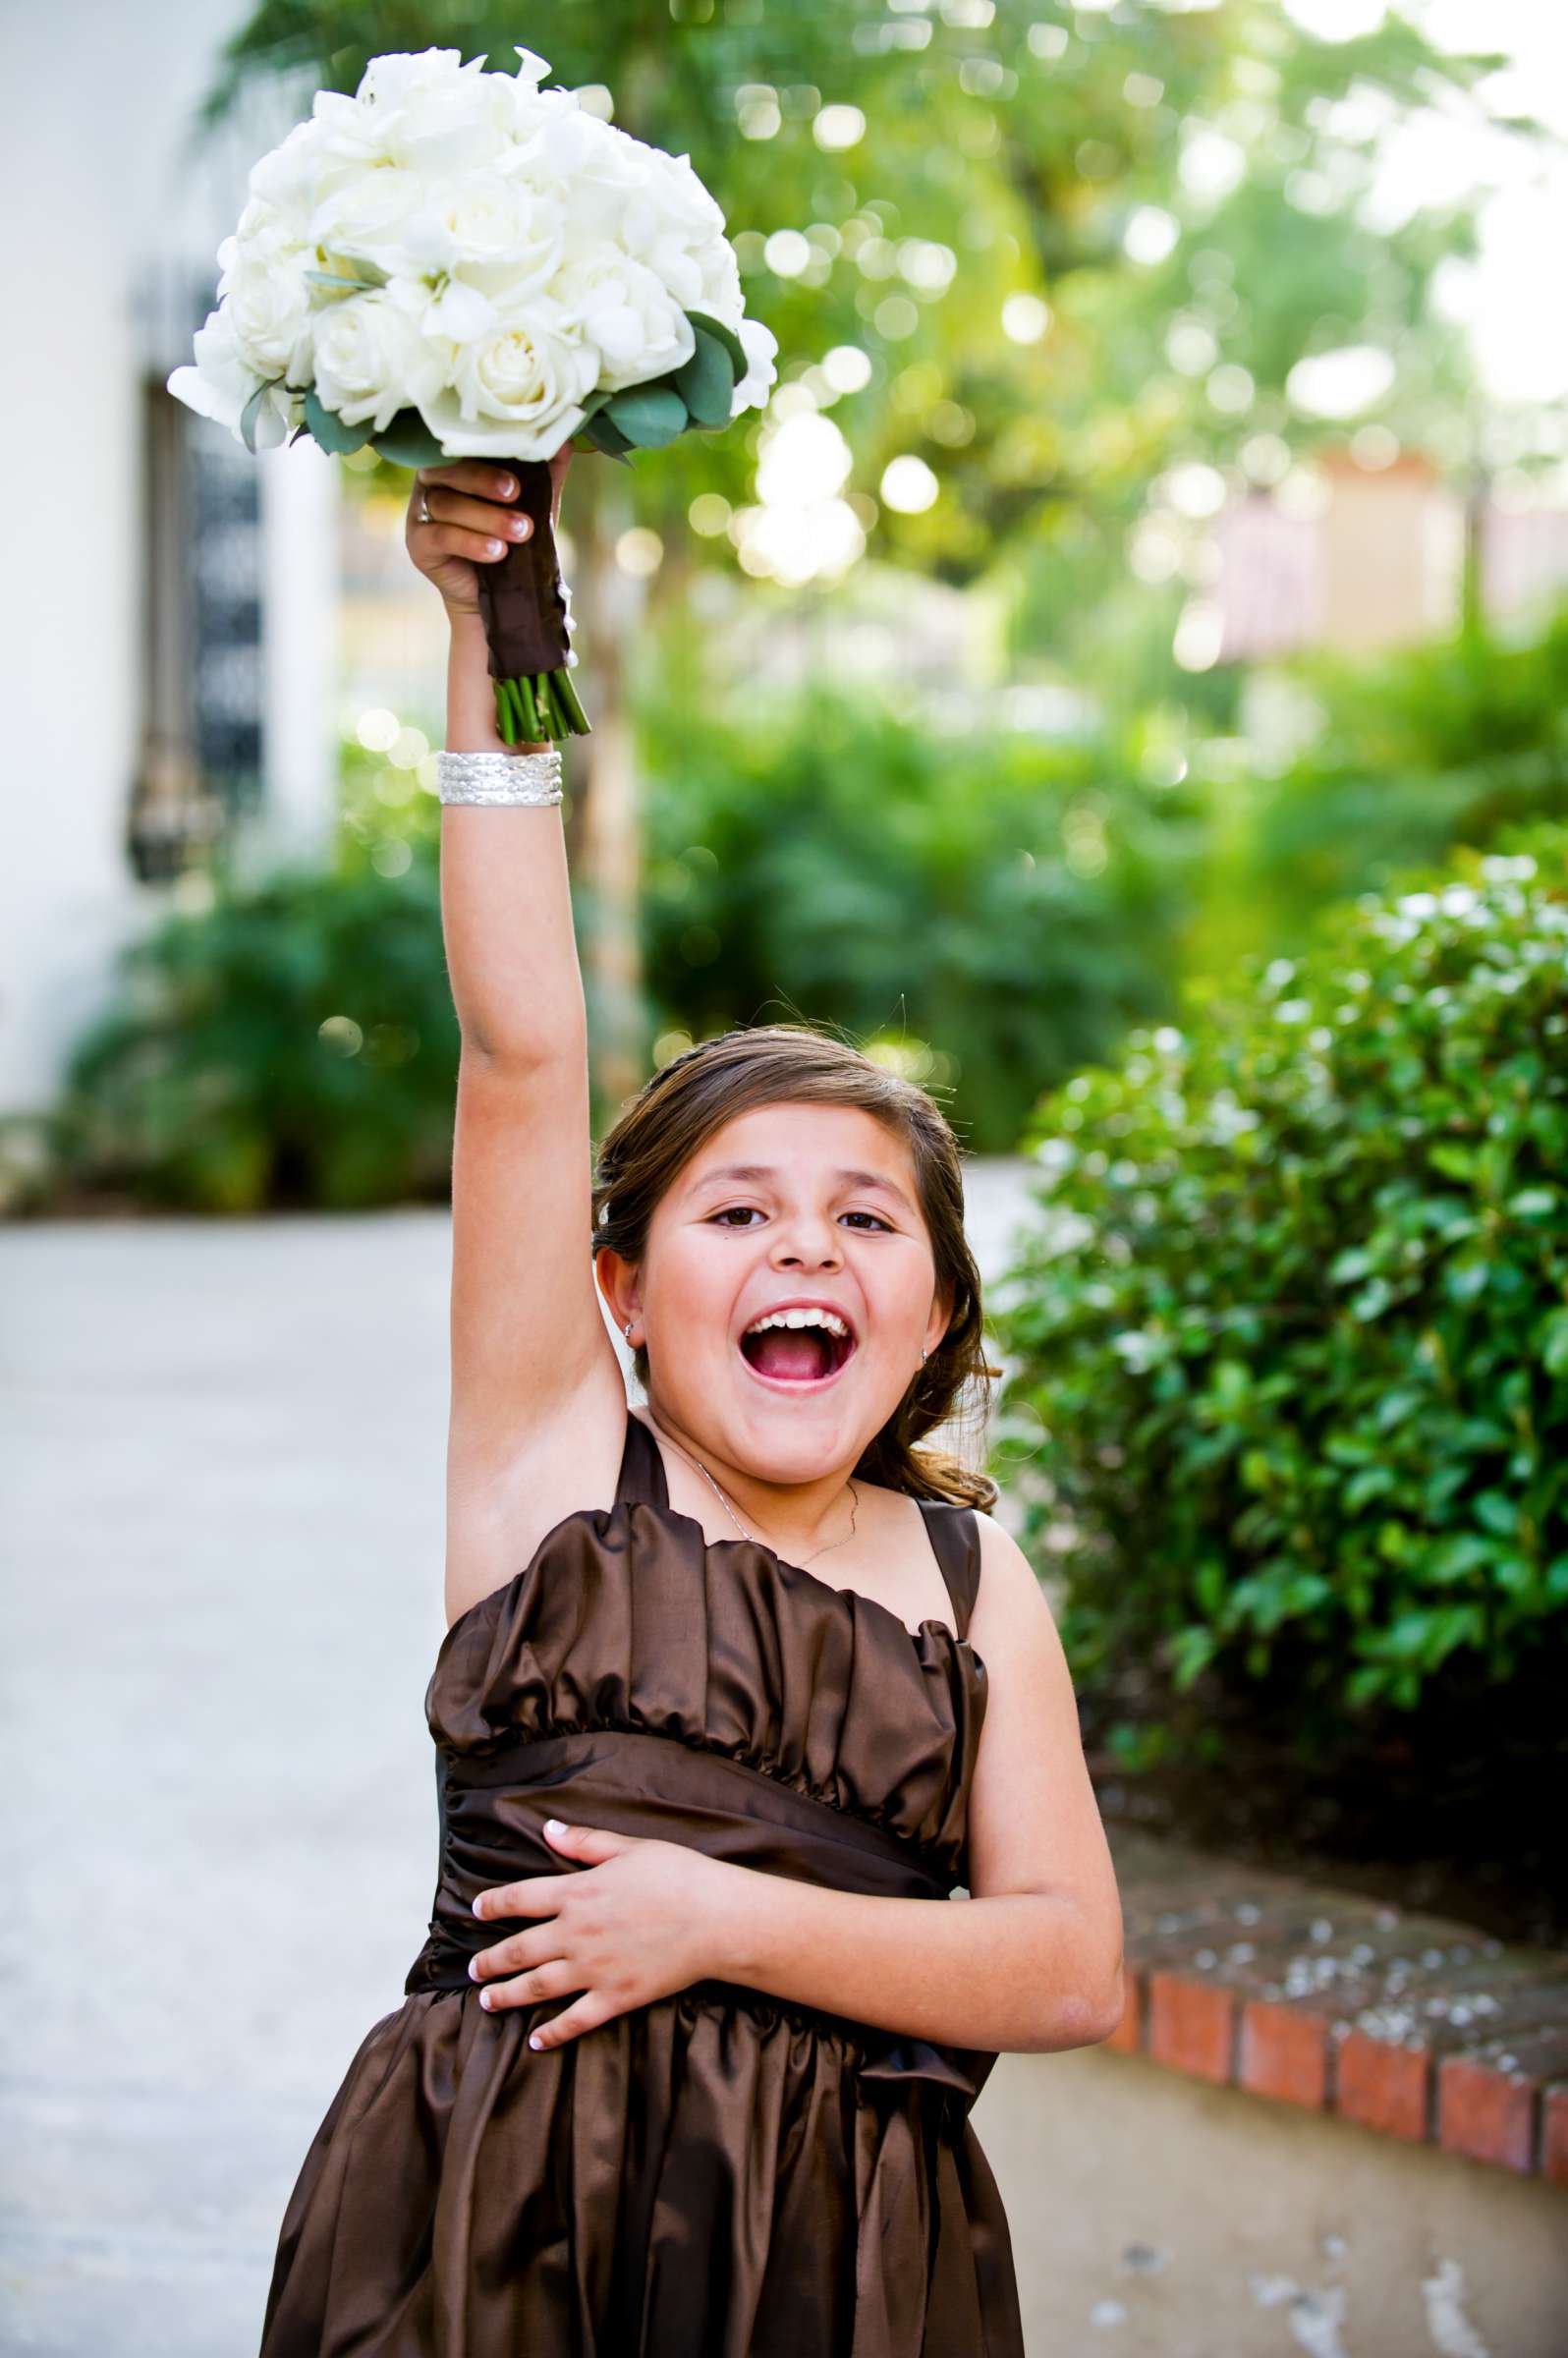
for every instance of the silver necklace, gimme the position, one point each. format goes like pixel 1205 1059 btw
pixel 724 1501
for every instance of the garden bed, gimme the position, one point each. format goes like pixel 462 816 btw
pixel 1460 1812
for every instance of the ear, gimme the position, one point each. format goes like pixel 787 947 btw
pixel 937 1323
pixel 618 1284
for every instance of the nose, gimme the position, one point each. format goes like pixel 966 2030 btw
pixel 807 1240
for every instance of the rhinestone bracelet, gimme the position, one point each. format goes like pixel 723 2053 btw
pixel 494 777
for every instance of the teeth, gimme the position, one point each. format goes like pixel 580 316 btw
pixel 800 1318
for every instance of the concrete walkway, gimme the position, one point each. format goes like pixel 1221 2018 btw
pixel 222 1465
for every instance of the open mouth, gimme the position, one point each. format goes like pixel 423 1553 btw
pixel 800 1346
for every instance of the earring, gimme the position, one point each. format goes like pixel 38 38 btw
pixel 627 1331
pixel 922 1355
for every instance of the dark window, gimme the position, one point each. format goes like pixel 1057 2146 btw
pixel 198 771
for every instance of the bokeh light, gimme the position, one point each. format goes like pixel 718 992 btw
pixel 377 729
pixel 709 515
pixel 839 127
pixel 639 551
pixel 1024 318
pixel 909 485
pixel 1343 384
pixel 847 369
pixel 787 253
pixel 801 528
pixel 757 111
pixel 1151 235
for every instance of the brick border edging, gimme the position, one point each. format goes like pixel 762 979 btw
pixel 1416 2025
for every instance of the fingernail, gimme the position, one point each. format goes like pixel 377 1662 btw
pixel 494 548
pixel 476 1904
pixel 508 487
pixel 473 1969
pixel 553 1825
pixel 484 1999
pixel 533 2038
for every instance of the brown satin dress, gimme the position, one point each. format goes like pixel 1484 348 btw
pixel 718 2174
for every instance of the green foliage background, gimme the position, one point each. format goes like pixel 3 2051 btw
pixel 821 858
pixel 212 1083
pixel 807 855
pixel 1290 1330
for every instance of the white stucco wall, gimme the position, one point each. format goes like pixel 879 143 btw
pixel 95 179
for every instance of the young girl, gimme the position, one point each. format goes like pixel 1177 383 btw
pixel 736 1686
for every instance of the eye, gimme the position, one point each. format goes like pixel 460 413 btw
pixel 733 1212
pixel 875 1217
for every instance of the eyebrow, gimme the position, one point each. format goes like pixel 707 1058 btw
pixel 753 1173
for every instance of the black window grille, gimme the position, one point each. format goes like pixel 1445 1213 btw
pixel 199 775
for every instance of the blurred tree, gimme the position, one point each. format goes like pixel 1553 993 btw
pixel 1035 258
pixel 992 911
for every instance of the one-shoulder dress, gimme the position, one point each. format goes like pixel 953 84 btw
pixel 719 2173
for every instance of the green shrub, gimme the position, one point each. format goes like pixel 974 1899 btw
pixel 295 1043
pixel 1416 751
pixel 1004 907
pixel 1290 1323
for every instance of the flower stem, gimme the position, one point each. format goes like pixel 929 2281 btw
pixel 573 709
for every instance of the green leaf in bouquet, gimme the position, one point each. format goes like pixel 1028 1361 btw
pixel 707 381
pixel 596 401
pixel 406 441
pixel 336 284
pixel 329 430
pixel 252 411
pixel 593 439
pixel 648 415
pixel 357 278
pixel 725 336
pixel 602 434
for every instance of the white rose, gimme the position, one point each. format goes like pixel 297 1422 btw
pixel 681 194
pixel 460 129
pixel 220 382
pixel 365 212
pixel 371 359
pixel 557 144
pixel 760 346
pixel 625 311
pixel 531 67
pixel 442 121
pixel 270 312
pixel 390 81
pixel 455 313
pixel 505 238
pixel 285 177
pixel 669 221
pixel 721 295
pixel 265 230
pixel 517 392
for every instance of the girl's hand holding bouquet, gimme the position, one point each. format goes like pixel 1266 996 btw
pixel 453 265
pixel 460 517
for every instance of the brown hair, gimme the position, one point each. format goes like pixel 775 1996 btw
pixel 690 1097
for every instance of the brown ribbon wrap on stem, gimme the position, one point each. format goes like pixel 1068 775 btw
pixel 521 597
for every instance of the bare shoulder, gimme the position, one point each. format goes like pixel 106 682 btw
pixel 1012 1626
pixel 1008 1583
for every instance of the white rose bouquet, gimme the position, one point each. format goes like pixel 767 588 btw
pixel 456 264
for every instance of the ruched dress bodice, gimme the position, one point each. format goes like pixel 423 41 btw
pixel 721 2173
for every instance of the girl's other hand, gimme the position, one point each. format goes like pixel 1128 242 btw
pixel 645 1920
pixel 472 522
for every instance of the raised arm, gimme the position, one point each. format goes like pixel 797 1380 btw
pixel 538 1402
